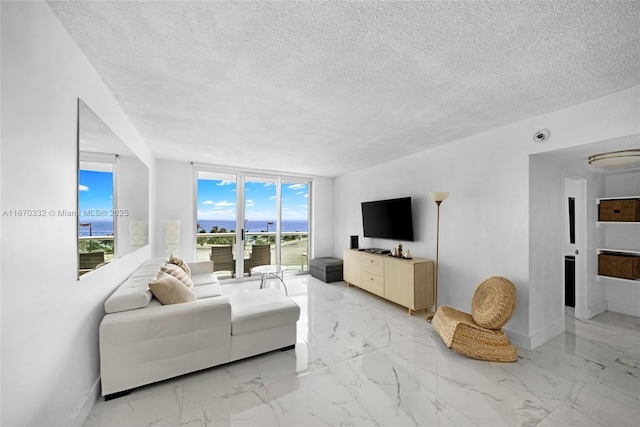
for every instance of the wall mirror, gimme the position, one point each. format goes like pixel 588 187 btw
pixel 113 195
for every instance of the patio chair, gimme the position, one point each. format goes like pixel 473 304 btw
pixel 260 255
pixel 90 260
pixel 222 257
pixel 479 335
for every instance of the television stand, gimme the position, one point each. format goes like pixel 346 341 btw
pixel 378 251
pixel 408 282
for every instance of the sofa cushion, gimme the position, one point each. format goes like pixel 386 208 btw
pixel 169 290
pixel 132 294
pixel 178 273
pixel 149 269
pixel 261 309
pixel 204 279
pixel 207 291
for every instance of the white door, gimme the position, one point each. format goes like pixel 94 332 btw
pixel 574 245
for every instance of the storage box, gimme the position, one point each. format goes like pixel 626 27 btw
pixel 614 264
pixel 623 210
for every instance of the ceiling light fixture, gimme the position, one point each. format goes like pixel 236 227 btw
pixel 616 159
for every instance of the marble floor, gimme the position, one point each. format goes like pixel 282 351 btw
pixel 363 361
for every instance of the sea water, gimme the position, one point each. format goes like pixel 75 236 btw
pixel 105 228
pixel 255 226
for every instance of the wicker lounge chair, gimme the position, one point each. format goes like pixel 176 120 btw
pixel 222 257
pixel 91 260
pixel 479 335
pixel 260 255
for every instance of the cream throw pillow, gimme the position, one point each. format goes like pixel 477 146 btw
pixel 180 263
pixel 169 290
pixel 178 273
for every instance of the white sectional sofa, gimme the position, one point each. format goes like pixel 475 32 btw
pixel 143 341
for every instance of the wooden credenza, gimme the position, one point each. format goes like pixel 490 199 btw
pixel 407 282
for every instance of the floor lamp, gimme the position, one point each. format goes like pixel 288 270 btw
pixel 438 197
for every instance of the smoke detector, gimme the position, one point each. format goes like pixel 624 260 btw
pixel 541 136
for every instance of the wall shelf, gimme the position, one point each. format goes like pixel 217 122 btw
pixel 618 294
pixel 598 277
pixel 617 198
pixel 635 251
pixel 599 223
pixel 624 251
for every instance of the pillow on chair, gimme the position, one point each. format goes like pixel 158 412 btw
pixel 493 303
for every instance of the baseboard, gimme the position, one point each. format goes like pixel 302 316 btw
pixel 631 310
pixel 593 311
pixel 518 339
pixel 85 407
pixel 547 334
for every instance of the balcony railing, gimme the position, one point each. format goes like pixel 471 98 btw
pixel 294 246
pixel 88 244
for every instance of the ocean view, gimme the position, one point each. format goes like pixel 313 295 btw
pixel 255 226
pixel 105 228
pixel 98 228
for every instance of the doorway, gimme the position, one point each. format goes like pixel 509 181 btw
pixel 574 246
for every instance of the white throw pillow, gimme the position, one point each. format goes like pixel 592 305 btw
pixel 178 273
pixel 169 290
pixel 180 263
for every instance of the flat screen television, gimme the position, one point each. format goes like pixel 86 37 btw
pixel 388 219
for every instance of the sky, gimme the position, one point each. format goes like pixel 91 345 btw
pixel 95 192
pixel 217 200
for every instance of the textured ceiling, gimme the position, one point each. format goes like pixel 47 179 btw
pixel 323 88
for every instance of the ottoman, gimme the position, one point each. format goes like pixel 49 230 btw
pixel 327 269
pixel 262 320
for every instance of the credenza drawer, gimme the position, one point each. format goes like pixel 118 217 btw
pixel 373 264
pixel 372 283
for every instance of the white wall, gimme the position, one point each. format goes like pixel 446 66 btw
pixel 50 319
pixel 483 223
pixel 175 201
pixel 545 245
pixel 596 292
pixel 487 223
pixel 132 195
pixel 547 174
pixel 323 218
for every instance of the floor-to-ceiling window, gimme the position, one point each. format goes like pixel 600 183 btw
pixel 294 231
pixel 216 216
pixel 245 220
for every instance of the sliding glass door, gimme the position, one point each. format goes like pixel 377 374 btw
pixel 248 220
pixel 260 221
pixel 216 219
